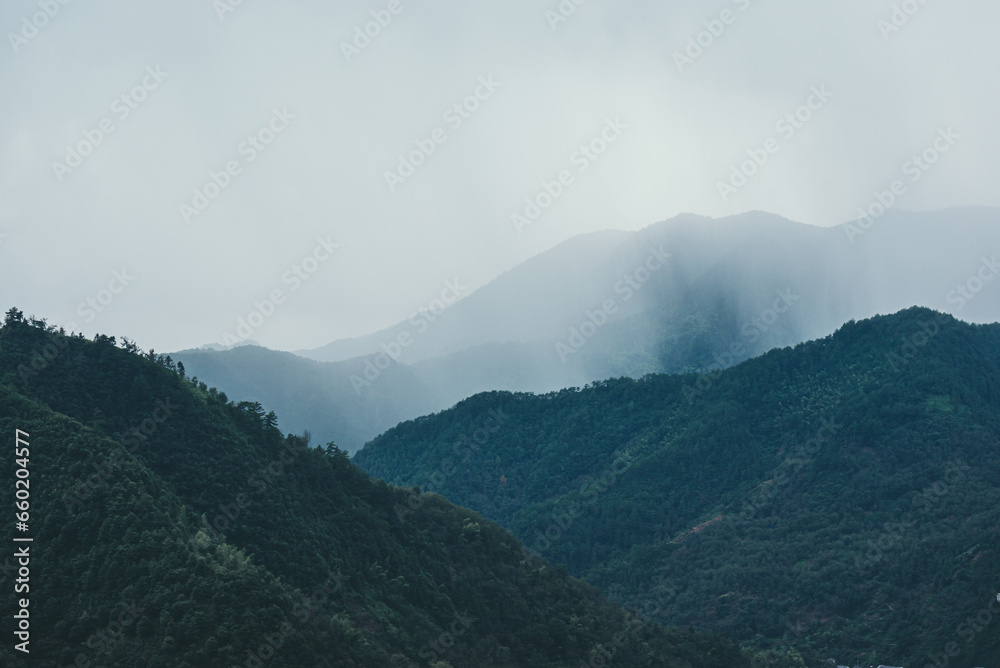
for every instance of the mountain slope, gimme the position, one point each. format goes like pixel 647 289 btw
pixel 315 396
pixel 609 305
pixel 174 528
pixel 847 489
pixel 841 273
pixel 568 269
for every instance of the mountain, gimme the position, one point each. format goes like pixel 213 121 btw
pixel 568 271
pixel 838 273
pixel 314 396
pixel 687 294
pixel 174 528
pixel 842 496
pixel 327 399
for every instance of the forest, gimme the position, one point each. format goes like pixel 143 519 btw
pixel 173 527
pixel 841 497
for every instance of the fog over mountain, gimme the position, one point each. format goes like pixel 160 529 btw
pixel 687 294
pixel 262 115
pixel 254 253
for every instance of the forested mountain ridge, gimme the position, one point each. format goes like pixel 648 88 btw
pixel 847 489
pixel 174 528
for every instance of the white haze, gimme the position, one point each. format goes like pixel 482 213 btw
pixel 324 175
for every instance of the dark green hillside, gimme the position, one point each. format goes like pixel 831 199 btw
pixel 842 496
pixel 174 528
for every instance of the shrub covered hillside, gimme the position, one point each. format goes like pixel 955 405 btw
pixel 173 528
pixel 841 497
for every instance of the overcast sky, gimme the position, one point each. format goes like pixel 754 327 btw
pixel 198 81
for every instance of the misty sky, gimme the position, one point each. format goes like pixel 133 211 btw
pixel 183 88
